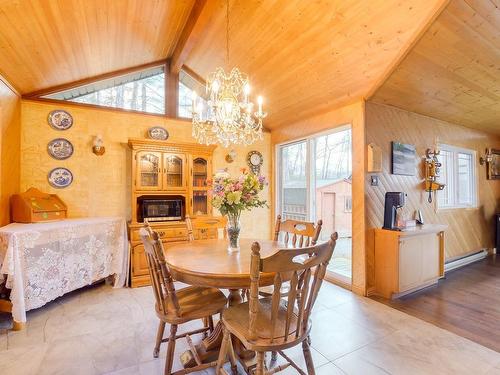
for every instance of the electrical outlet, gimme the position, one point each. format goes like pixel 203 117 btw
pixel 374 180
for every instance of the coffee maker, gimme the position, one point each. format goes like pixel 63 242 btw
pixel 393 201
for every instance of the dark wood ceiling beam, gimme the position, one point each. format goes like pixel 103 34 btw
pixel 200 16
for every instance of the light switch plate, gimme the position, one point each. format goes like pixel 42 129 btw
pixel 374 180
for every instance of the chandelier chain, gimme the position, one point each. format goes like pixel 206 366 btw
pixel 227 116
pixel 227 34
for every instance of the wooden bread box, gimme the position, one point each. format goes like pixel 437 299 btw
pixel 34 206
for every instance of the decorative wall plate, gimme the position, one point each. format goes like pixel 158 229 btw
pixel 60 148
pixel 60 177
pixel 60 120
pixel 157 132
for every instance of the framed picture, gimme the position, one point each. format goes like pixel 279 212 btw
pixel 493 166
pixel 403 159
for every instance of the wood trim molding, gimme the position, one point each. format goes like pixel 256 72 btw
pixel 103 108
pixel 427 23
pixel 194 75
pixel 200 15
pixel 157 145
pixel 9 85
pixel 85 81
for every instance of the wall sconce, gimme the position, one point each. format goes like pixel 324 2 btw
pixel 487 158
pixel 231 156
pixel 98 145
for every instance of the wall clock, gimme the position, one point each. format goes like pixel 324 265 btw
pixel 254 161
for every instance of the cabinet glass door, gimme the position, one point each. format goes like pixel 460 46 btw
pixel 148 171
pixel 174 171
pixel 200 189
pixel 200 172
pixel 200 202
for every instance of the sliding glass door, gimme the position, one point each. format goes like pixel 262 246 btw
pixel 314 182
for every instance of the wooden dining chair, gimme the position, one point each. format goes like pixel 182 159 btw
pixel 275 323
pixel 177 307
pixel 295 233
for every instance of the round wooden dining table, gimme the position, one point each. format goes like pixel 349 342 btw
pixel 208 263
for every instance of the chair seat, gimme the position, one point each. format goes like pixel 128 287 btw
pixel 236 320
pixel 195 303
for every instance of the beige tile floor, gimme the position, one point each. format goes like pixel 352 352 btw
pixel 101 330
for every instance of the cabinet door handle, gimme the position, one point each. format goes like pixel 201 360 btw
pixel 161 233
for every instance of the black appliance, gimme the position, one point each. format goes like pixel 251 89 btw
pixel 393 201
pixel 162 209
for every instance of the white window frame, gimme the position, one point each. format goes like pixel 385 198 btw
pixel 310 165
pixel 452 182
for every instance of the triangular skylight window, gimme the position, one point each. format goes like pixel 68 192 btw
pixel 142 91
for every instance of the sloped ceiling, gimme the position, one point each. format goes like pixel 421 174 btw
pixel 453 72
pixel 45 43
pixel 307 57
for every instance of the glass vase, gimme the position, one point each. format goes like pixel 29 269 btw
pixel 233 232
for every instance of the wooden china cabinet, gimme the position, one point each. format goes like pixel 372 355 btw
pixel 168 170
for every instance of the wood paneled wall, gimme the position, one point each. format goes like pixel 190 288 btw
pixel 10 131
pixel 101 185
pixel 354 115
pixel 469 229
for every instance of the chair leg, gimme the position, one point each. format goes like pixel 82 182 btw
pixel 274 357
pixel 205 324
pixel 232 356
pixel 222 352
pixel 170 350
pixel 260 363
pixel 308 357
pixel 159 337
pixel 211 323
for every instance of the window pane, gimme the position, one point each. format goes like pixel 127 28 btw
pixel 140 91
pixel 294 182
pixel 464 179
pixel 445 197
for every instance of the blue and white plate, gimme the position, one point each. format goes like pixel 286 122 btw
pixel 60 148
pixel 60 177
pixel 60 120
pixel 157 132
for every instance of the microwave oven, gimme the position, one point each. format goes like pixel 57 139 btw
pixel 162 209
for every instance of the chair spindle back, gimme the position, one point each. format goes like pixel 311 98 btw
pixel 296 233
pixel 161 279
pixel 305 269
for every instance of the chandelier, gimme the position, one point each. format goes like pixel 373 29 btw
pixel 227 116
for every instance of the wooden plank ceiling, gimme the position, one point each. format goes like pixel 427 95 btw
pixel 305 57
pixel 45 43
pixel 453 72
pixel 308 57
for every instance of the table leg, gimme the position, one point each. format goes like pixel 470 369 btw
pixel 208 350
pixel 234 297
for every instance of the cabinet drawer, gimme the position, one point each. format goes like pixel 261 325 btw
pixel 166 234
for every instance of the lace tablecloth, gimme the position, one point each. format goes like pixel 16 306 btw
pixel 43 261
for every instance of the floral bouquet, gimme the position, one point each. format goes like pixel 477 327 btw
pixel 232 195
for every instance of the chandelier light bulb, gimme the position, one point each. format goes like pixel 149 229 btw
pixel 215 86
pixel 230 117
pixel 260 101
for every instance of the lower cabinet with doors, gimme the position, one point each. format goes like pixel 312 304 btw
pixel 406 261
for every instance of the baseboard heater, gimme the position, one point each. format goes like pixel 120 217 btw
pixel 466 259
